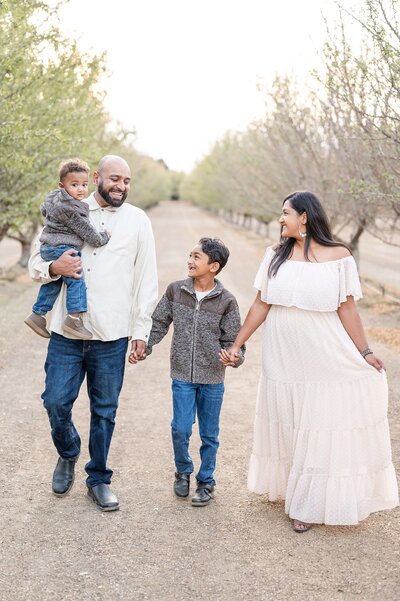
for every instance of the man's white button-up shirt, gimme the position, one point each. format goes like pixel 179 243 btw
pixel 121 276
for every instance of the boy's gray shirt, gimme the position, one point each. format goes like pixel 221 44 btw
pixel 67 222
pixel 201 329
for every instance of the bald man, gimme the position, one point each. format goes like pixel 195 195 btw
pixel 121 279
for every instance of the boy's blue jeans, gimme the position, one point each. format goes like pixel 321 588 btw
pixel 48 293
pixel 67 363
pixel 206 401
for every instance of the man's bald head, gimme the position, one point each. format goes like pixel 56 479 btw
pixel 114 160
pixel 112 179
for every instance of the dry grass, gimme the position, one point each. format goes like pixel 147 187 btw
pixel 388 336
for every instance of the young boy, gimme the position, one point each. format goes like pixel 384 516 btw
pixel 66 226
pixel 206 318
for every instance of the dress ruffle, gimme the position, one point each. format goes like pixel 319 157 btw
pixel 349 282
pixel 308 285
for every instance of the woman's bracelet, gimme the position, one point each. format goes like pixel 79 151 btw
pixel 366 352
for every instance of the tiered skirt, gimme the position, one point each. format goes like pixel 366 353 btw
pixel 321 434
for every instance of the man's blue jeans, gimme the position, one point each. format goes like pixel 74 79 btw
pixel 48 293
pixel 206 401
pixel 67 363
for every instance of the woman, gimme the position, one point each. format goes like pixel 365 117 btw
pixel 321 436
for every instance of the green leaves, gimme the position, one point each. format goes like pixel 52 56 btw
pixel 50 108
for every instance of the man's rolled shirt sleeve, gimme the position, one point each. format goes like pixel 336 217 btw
pixel 39 270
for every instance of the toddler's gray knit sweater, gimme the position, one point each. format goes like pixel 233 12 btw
pixel 67 222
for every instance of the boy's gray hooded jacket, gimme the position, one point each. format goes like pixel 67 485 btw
pixel 201 329
pixel 67 222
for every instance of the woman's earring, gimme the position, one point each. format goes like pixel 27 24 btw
pixel 303 234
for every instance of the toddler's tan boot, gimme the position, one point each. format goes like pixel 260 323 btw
pixel 38 324
pixel 74 325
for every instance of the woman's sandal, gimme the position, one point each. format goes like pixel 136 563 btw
pixel 300 526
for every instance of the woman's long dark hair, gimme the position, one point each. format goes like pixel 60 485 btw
pixel 317 228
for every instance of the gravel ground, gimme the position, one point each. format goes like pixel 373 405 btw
pixel 158 547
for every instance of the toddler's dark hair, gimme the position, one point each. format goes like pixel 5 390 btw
pixel 216 250
pixel 72 166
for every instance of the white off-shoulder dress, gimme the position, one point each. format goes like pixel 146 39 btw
pixel 321 434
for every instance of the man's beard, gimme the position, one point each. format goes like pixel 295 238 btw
pixel 113 202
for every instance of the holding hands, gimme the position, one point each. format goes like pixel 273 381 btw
pixel 138 351
pixel 229 357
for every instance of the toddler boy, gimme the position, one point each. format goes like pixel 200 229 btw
pixel 206 318
pixel 66 226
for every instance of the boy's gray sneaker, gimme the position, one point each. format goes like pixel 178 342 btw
pixel 74 325
pixel 38 324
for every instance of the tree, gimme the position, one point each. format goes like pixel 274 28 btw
pixel 339 138
pixel 50 108
pixel 363 92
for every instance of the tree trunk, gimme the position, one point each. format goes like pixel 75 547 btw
pixel 355 242
pixel 26 238
pixel 26 252
pixel 3 231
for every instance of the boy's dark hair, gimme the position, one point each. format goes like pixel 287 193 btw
pixel 216 251
pixel 72 166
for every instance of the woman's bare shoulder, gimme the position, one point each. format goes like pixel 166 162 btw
pixel 331 253
pixel 339 252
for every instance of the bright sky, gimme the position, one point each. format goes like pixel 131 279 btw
pixel 185 71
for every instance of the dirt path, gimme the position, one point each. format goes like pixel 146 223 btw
pixel 157 547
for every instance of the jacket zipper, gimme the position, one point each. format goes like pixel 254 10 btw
pixel 196 312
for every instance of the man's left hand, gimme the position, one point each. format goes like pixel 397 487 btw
pixel 138 351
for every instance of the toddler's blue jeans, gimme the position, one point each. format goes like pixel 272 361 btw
pixel 206 401
pixel 48 293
